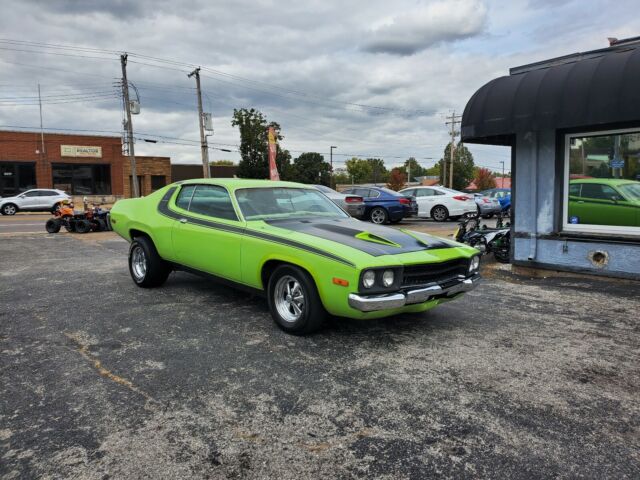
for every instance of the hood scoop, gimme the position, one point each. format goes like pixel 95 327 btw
pixel 370 237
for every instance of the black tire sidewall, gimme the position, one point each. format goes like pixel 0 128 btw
pixel 157 269
pixel 313 309
pixel 83 226
pixel 52 225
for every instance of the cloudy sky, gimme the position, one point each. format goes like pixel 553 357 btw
pixel 373 77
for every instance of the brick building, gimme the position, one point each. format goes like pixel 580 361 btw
pixel 81 165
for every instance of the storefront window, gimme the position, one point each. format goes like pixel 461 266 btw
pixel 79 179
pixel 603 182
pixel 16 177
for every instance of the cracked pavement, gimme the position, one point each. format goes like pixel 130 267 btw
pixel 521 378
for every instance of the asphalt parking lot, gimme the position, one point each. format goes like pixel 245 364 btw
pixel 521 378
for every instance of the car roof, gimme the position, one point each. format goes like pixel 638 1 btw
pixel 237 183
pixel 608 181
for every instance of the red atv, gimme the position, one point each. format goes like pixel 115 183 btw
pixel 93 219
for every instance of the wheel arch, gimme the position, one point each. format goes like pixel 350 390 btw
pixel 268 267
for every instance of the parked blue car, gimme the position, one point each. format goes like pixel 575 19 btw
pixel 383 205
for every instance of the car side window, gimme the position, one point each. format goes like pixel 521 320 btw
pixel 33 193
pixel 424 192
pixel 48 193
pixel 438 192
pixel 597 191
pixel 373 193
pixel 574 189
pixel 362 192
pixel 184 197
pixel 212 201
pixel 409 193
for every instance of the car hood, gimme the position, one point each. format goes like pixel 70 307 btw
pixel 375 240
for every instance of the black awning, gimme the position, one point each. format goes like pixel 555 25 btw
pixel 588 91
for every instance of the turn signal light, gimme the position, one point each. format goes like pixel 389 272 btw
pixel 340 281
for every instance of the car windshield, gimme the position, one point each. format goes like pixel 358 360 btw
pixel 631 190
pixel 278 202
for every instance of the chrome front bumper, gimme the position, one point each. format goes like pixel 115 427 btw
pixel 388 301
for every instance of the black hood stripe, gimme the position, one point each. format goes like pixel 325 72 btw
pixel 163 209
pixel 344 231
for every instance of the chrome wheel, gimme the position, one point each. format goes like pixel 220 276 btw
pixel 289 298
pixel 138 263
pixel 378 216
pixel 439 214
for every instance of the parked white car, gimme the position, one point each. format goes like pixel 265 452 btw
pixel 38 199
pixel 441 203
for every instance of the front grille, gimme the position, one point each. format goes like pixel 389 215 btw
pixel 442 272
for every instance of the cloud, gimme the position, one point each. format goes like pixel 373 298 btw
pixel 427 25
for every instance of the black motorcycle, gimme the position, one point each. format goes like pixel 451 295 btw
pixel 488 240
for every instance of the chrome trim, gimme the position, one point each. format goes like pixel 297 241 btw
pixel 373 303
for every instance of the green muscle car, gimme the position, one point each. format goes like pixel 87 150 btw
pixel 604 201
pixel 292 243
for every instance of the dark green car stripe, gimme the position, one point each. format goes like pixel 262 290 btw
pixel 163 209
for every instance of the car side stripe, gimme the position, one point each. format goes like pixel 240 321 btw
pixel 163 209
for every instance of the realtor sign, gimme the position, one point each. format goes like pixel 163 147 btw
pixel 80 151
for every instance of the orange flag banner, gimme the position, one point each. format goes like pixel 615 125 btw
pixel 273 168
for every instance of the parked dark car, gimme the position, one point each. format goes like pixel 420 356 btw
pixel 383 205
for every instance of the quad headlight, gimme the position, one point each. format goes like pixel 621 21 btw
pixel 474 264
pixel 388 277
pixel 368 279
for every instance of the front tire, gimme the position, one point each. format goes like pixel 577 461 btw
pixel 294 302
pixel 146 267
pixel 439 213
pixel 378 215
pixel 52 225
pixel 9 209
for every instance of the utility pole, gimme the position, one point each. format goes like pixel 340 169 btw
pixel 41 129
pixel 129 126
pixel 331 163
pixel 502 162
pixel 203 139
pixel 453 120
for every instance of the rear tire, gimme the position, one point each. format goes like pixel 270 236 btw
pixel 294 302
pixel 378 215
pixel 147 268
pixel 52 225
pixel 439 213
pixel 83 226
pixel 99 225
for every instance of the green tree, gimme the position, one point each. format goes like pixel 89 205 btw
pixel 341 179
pixel 359 170
pixel 411 166
pixel 310 167
pixel 226 163
pixel 463 166
pixel 253 127
pixel 379 172
pixel 433 171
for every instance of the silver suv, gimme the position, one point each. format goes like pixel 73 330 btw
pixel 39 199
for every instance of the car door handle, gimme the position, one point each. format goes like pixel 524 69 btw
pixel 183 220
